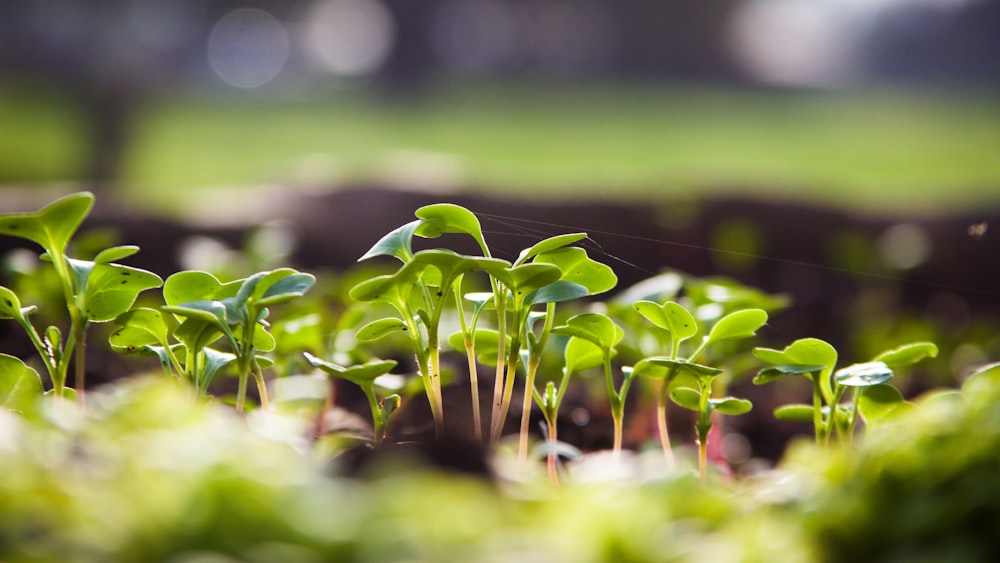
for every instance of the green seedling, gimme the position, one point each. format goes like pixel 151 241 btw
pixel 816 359
pixel 433 274
pixel 202 310
pixel 680 325
pixel 364 376
pixel 599 330
pixel 579 354
pixel 95 291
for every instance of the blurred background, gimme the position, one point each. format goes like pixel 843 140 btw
pixel 870 104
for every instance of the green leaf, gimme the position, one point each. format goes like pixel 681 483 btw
pixel 363 375
pixel 794 413
pixel 581 354
pixel 194 285
pixel 730 405
pixel 594 327
pixel 670 316
pixel 548 245
pixel 281 286
pixel 739 324
pixel 140 327
pixel 20 386
pixel 441 218
pixel 53 226
pixel 908 354
pixel 558 292
pixel 687 398
pixel 377 329
pixel 879 401
pixel 577 267
pixel 699 371
pixel 804 352
pixel 527 277
pixel 214 361
pixel 196 333
pixel 208 311
pixel 10 305
pixel 389 288
pixel 863 375
pixel 115 253
pixel 113 288
pixel 396 243
pixel 772 373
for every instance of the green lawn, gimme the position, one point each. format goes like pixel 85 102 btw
pixel 873 151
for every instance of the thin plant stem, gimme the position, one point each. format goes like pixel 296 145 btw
pixel 498 382
pixel 661 419
pixel 551 462
pixel 703 460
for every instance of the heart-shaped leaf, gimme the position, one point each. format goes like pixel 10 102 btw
pixel 879 401
pixel 20 385
pixel 53 226
pixel 398 243
pixel 577 267
pixel 377 329
pixel 214 361
pixel 113 288
pixel 593 327
pixel 389 288
pixel 670 316
pixel 795 413
pixel 863 375
pixel 907 354
pixel 527 277
pixel 548 245
pixel 687 398
pixel 731 406
pixel 738 324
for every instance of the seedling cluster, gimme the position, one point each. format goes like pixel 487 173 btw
pixel 509 315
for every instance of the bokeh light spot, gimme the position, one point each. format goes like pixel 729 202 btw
pixel 247 48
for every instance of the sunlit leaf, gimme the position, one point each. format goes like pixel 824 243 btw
pixel 594 327
pixel 907 354
pixel 53 226
pixel 377 329
pixel 730 405
pixel 686 397
pixel 396 243
pixel 115 253
pixel 20 385
pixel 879 401
pixel 113 288
pixel 441 218
pixel 770 373
pixel 363 374
pixel 738 324
pixel 795 413
pixel 670 316
pixel 579 268
pixel 548 245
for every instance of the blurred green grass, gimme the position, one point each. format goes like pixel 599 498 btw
pixel 882 150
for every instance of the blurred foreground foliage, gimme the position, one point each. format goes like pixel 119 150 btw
pixel 148 473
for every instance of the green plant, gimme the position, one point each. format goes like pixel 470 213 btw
pixel 94 291
pixel 201 311
pixel 364 376
pixel 681 326
pixel 816 360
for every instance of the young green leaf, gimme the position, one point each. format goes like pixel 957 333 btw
pixel 670 316
pixel 879 401
pixel 594 327
pixel 730 405
pixel 738 324
pixel 115 253
pixel 770 373
pixel 581 354
pixel 194 285
pixel 377 329
pixel 548 245
pixel 10 305
pixel 398 243
pixel 281 286
pixel 795 413
pixel 907 354
pixel 112 289
pixel 443 218
pixel 557 292
pixel 699 371
pixel 687 398
pixel 20 385
pixel 527 277
pixel 140 327
pixel 53 226
pixel 578 268
pixel 363 375
pixel 863 375
pixel 803 352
